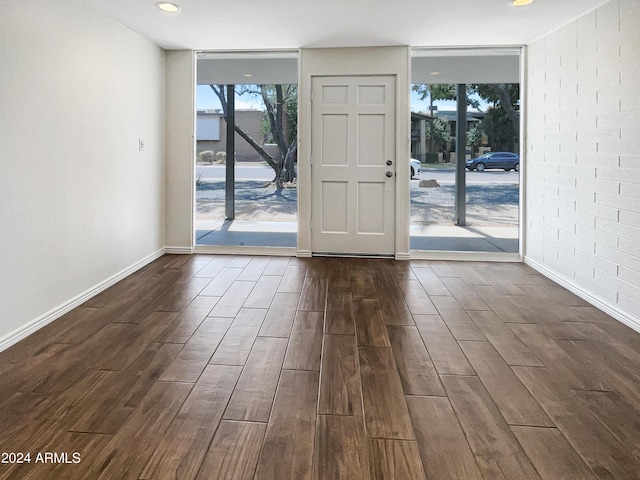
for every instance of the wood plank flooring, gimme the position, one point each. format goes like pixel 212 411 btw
pixel 257 368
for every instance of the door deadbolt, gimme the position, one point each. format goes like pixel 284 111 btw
pixel 389 174
pixel 389 162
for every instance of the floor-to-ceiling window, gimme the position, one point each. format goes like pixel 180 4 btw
pixel 465 124
pixel 246 150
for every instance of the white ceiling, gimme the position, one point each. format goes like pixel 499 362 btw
pixel 273 24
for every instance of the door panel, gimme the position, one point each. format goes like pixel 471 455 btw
pixel 371 203
pixel 335 221
pixel 334 140
pixel 353 187
pixel 371 149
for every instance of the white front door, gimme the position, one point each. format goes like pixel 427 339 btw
pixel 353 156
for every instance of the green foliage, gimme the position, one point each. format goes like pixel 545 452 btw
pixel 206 157
pixel 291 108
pixel 438 129
pixel 265 129
pixel 444 91
pixel 501 123
pixel 502 133
pixel 287 108
pixel 475 136
pixel 435 91
pixel 277 101
pixel 199 179
pixel 489 93
pixel 496 94
pixel 431 157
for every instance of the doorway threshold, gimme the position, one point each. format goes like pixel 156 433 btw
pixel 353 255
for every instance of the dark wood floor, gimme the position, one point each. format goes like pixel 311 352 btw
pixel 217 367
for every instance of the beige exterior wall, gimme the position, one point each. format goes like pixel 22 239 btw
pixel 251 122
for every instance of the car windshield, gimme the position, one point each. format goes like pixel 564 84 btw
pixel 485 155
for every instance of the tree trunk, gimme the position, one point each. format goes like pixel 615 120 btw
pixel 431 140
pixel 288 172
pixel 275 114
pixel 277 166
pixel 502 91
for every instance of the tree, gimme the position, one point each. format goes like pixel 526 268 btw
pixel 435 91
pixel 277 100
pixel 502 120
pixel 502 96
pixel 438 134
pixel 474 136
pixel 500 129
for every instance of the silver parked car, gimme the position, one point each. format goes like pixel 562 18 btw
pixel 416 166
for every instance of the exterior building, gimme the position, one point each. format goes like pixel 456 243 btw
pixel 211 132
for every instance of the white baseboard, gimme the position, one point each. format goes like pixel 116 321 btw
pixel 403 256
pixel 27 329
pixel 594 299
pixel 466 256
pixel 178 250
pixel 304 254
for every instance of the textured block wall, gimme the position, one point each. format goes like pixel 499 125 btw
pixel 583 154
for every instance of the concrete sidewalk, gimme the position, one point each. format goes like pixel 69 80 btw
pixel 274 224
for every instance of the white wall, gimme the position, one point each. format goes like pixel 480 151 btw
pixel 78 202
pixel 180 116
pixel 583 157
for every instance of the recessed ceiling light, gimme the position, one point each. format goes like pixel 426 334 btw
pixel 520 3
pixel 434 73
pixel 248 75
pixel 168 7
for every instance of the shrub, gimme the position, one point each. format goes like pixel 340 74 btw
pixel 206 157
pixel 431 157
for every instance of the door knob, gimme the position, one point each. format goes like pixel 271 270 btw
pixel 389 174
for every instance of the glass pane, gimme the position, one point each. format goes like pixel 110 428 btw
pixel 260 207
pixel 492 184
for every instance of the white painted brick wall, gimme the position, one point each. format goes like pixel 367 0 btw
pixel 633 249
pixel 629 304
pixel 583 154
pixel 630 218
pixel 626 254
pixel 595 262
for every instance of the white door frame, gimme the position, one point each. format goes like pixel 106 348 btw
pixel 356 216
pixel 382 61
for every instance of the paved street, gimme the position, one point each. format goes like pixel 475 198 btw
pixel 447 176
pixel 243 172
pixel 444 176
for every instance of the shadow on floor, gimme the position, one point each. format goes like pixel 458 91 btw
pixel 233 233
pixel 237 233
pixel 464 239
